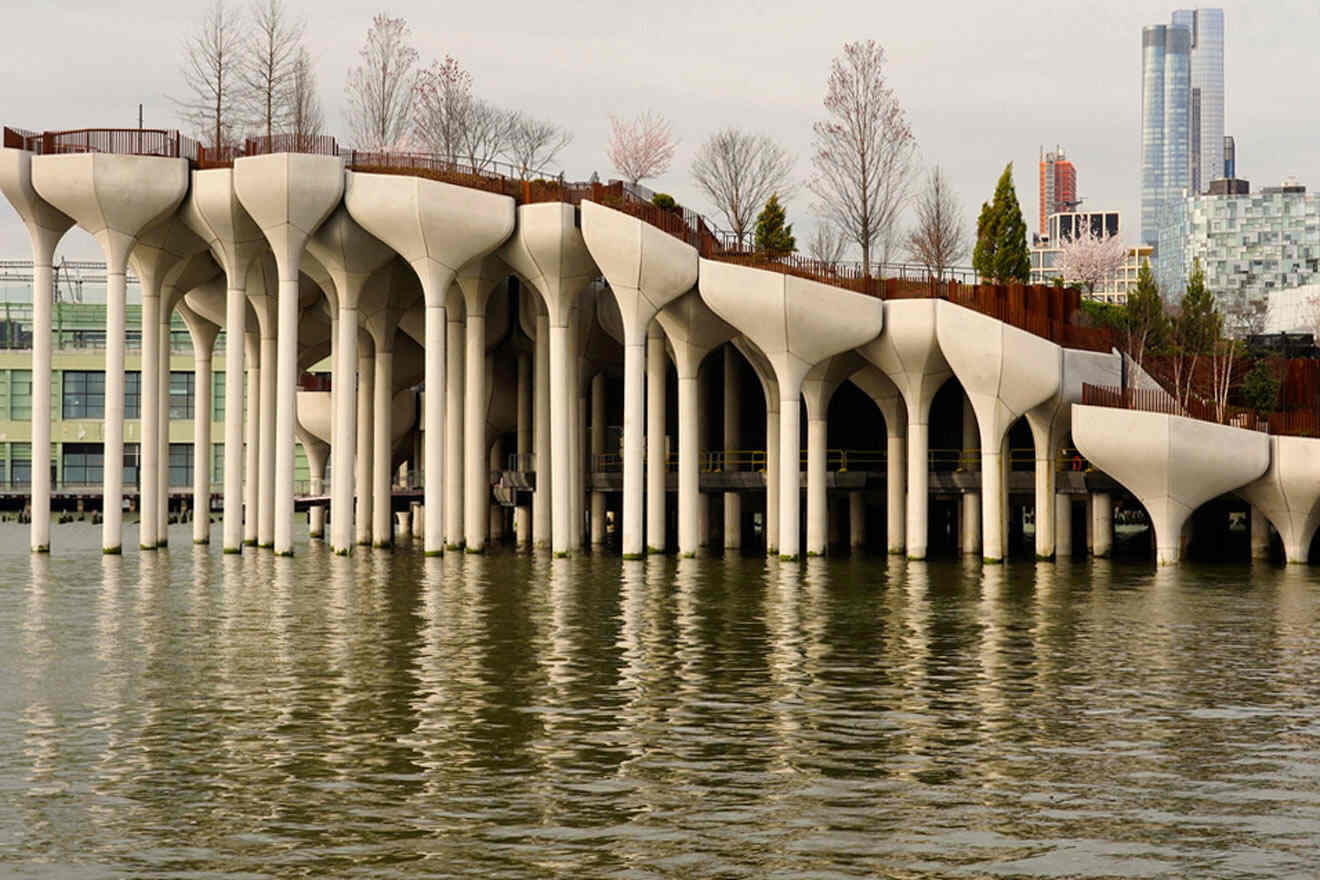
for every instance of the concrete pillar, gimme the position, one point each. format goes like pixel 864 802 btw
pixel 232 514
pixel 113 475
pixel 266 437
pixel 1063 527
pixel 790 453
pixel 772 452
pixel 366 444
pixel 703 446
pixel 433 425
pixel 732 443
pixel 856 520
pixel 1260 534
pixel 1090 525
pixel 1043 439
pixel 656 369
pixel 689 486
pixel 477 285
pixel 541 525
pixel 635 419
pixel 455 419
pixel 522 514
pixel 895 490
pixel 203 335
pixel 382 445
pixel 597 449
pixel 817 497
pixel 993 495
pixel 252 441
pixel 918 482
pixel 344 448
pixel 149 521
pixel 1102 513
pixel 562 391
pixel 162 500
pixel 403 524
pixel 971 524
pixel 583 446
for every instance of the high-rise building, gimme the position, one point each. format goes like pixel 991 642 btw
pixel 1230 157
pixel 1182 111
pixel 1058 185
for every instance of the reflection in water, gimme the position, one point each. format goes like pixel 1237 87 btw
pixel 386 714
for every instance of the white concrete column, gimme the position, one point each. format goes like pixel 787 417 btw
pixel 235 322
pixel 656 369
pixel 42 297
pixel 856 519
pixel 992 499
pixel 455 416
pixel 1260 533
pixel 202 444
pixel 581 449
pixel 689 472
pixel 817 496
pixel 772 448
pixel 541 524
pixel 895 491
pixel 476 483
pixel 162 499
pixel 1090 526
pixel 971 523
pixel 918 482
pixel 561 451
pixel 1102 511
pixel 252 444
pixel 285 396
pixel 382 520
pixel 366 390
pixel 732 443
pixel 703 445
pixel 344 448
pixel 597 449
pixel 495 462
pixel 1063 527
pixel 403 523
pixel 1046 477
pixel 266 439
pixel 113 475
pixel 790 453
pixel 522 514
pixel 149 488
pixel 433 416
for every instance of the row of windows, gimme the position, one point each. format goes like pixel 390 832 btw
pixel 84 395
pixel 83 464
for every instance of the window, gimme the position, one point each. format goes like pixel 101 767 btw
pixel 84 464
pixel 181 396
pixel 20 395
pixel 217 397
pixel 133 395
pixel 181 464
pixel 20 464
pixel 132 456
pixel 217 463
pixel 84 395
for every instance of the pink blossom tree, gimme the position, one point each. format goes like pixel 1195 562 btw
pixel 1090 259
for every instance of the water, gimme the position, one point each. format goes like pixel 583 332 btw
pixel 187 714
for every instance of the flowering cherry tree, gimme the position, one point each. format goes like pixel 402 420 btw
pixel 1089 259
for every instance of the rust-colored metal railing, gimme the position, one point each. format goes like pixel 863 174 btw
pixel 122 141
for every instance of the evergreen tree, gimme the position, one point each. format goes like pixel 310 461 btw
pixel 1001 236
pixel 1143 320
pixel 772 236
pixel 1199 324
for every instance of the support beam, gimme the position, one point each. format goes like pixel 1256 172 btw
pixel 657 365
pixel 597 450
pixel 732 443
pixel 366 418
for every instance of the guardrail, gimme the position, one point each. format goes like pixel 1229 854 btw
pixel 1297 423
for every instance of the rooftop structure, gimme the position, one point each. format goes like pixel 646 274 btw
pixel 1058 185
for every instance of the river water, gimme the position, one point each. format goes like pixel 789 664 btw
pixel 387 715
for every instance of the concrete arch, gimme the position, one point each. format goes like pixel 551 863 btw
pixel 818 389
pixel 766 374
pixel 885 394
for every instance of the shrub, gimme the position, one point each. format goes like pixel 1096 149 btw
pixel 664 201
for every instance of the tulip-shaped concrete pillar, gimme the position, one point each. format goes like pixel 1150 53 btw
pixel 647 269
pixel 289 195
pixel 263 293
pixel 438 228
pixel 549 252
pixel 366 439
pixel 732 437
pixel 157 252
pixel 797 324
pixel 1006 372
pixel 203 334
pixel 657 465
pixel 1172 464
pixel 478 281
pixel 1288 494
pixel 455 416
pixel 350 255
pixel 46 226
pixel 522 514
pixel 885 394
pixel 115 198
pixel 766 374
pixel 252 439
pixel 214 213
pixel 541 523
pixel 908 352
pixel 818 389
pixel 694 331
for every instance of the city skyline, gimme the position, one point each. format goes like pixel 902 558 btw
pixel 1015 103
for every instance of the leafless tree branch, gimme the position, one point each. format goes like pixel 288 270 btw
pixel 535 143
pixel 939 239
pixel 642 147
pixel 380 90
pixel 268 59
pixel 739 171
pixel 305 117
pixel 210 70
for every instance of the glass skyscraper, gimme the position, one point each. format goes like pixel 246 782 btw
pixel 1182 111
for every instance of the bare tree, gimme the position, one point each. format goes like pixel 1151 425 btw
pixel 380 89
pixel 1090 259
pixel 826 244
pixel 268 60
pixel 864 151
pixel 305 117
pixel 940 238
pixel 738 171
pixel 444 108
pixel 211 70
pixel 487 133
pixel 642 147
pixel 534 143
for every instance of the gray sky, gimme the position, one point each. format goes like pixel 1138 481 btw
pixel 984 82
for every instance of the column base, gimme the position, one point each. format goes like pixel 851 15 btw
pixel 250 542
pixel 233 550
pixel 788 557
pixel 146 546
pixel 474 550
pixel 564 554
pixel 270 546
pixel 285 553
pixel 341 551
pixel 1044 557
pixel 41 548
pixel 201 540
pixel 990 560
pixel 112 551
pixel 626 555
pixel 434 553
pixel 457 547
pixel 655 550
pixel 384 545
pixel 812 554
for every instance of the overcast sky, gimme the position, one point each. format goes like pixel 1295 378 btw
pixel 984 82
